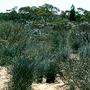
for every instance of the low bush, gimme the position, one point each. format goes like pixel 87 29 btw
pixel 22 72
pixel 6 55
pixel 12 32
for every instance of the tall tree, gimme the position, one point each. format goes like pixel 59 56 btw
pixel 13 15
pixel 25 12
pixel 87 15
pixel 81 14
pixel 72 13
pixel 45 11
pixel 80 10
pixel 63 14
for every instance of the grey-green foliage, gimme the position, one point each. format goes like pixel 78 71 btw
pixel 75 40
pixel 81 70
pixel 11 31
pixel 64 53
pixel 42 48
pixel 22 71
pixel 77 70
pixel 78 38
pixel 84 53
pixel 64 49
pixel 35 53
pixel 6 54
pixel 40 67
pixel 44 67
pixel 85 69
pixel 51 72
pixel 72 86
pixel 5 30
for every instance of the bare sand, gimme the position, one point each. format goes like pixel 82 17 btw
pixel 4 77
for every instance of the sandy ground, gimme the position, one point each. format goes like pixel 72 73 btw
pixel 58 85
pixel 46 86
pixel 74 56
pixel 4 77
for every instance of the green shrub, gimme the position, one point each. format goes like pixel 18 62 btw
pixel 79 72
pixel 75 40
pixel 64 20
pixel 72 86
pixel 3 42
pixel 84 53
pixel 60 26
pixel 51 72
pixel 12 32
pixel 84 26
pixel 73 22
pixel 6 54
pixel 22 73
pixel 37 53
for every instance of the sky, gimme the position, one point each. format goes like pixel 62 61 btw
pixel 61 4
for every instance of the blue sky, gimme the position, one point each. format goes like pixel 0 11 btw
pixel 61 4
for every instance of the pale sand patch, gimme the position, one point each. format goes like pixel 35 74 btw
pixel 74 56
pixel 58 85
pixel 52 86
pixel 4 77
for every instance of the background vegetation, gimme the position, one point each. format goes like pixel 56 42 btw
pixel 39 44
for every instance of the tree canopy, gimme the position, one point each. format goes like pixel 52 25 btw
pixel 72 13
pixel 45 12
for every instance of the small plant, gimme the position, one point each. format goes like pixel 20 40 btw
pixel 75 40
pixel 51 72
pixel 72 86
pixel 84 53
pixel 7 54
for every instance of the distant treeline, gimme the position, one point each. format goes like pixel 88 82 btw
pixel 46 12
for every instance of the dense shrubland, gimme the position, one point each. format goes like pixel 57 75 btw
pixel 35 52
pixel 38 45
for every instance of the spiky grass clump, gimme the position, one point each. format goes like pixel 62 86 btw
pixel 22 73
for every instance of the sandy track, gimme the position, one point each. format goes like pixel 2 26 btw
pixel 58 85
pixel 52 86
